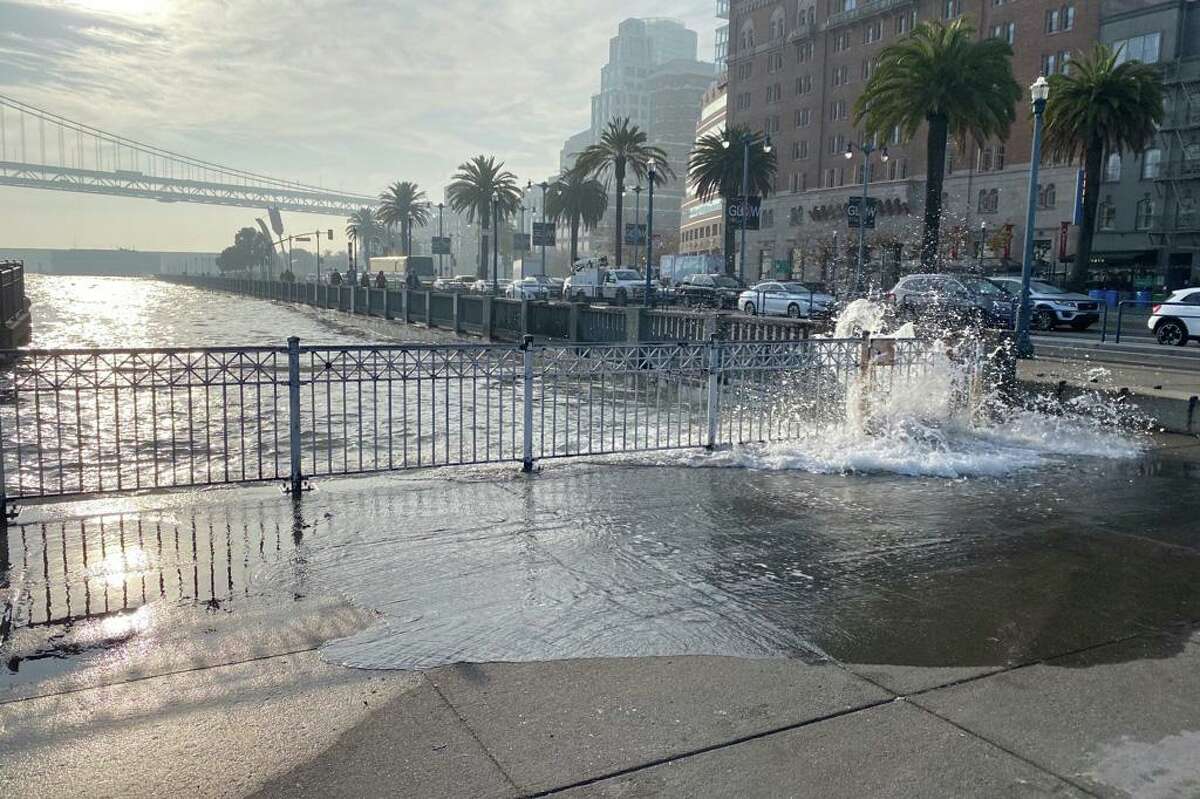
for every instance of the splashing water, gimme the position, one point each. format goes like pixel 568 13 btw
pixel 943 421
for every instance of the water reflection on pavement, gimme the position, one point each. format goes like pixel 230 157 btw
pixel 617 560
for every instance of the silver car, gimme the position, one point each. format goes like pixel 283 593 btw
pixel 1053 306
pixel 784 298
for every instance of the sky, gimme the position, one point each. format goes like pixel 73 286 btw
pixel 347 94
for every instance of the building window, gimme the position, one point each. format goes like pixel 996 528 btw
pixel 1112 168
pixel 985 159
pixel 872 32
pixel 951 8
pixel 804 52
pixel 746 39
pixel 1049 63
pixel 745 70
pixel 841 42
pixel 868 67
pixel 1143 48
pixel 1067 17
pixel 839 75
pixel 1150 163
pixel 774 62
pixel 838 109
pixel 1107 217
pixel 774 93
pixel 989 201
pixel 895 137
pixel 1047 196
pixel 778 25
pixel 1144 216
pixel 903 24
pixel 804 84
pixel 998 164
pixel 1005 31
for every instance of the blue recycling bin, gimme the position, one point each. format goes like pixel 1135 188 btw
pixel 1096 294
pixel 1111 297
pixel 1143 297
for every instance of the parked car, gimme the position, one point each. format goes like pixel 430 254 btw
pixel 784 298
pixel 1053 306
pixel 449 284
pixel 528 288
pixel 716 291
pixel 482 286
pixel 1176 324
pixel 953 299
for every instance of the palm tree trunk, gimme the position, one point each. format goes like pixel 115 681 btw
pixel 730 262
pixel 404 234
pixel 574 242
pixel 1092 163
pixel 619 237
pixel 935 168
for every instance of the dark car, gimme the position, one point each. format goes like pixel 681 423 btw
pixel 715 291
pixel 953 299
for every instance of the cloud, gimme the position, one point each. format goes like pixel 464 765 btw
pixel 349 93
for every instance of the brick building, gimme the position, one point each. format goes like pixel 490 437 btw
pixel 796 68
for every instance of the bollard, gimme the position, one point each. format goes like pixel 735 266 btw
pixel 714 391
pixel 527 437
pixel 296 478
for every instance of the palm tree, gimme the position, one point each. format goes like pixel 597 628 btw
pixel 622 149
pixel 942 76
pixel 364 227
pixel 403 203
pixel 1100 106
pixel 579 200
pixel 473 188
pixel 715 170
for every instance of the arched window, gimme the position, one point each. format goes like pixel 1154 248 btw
pixel 1051 196
pixel 778 23
pixel 1112 167
pixel 982 206
pixel 746 36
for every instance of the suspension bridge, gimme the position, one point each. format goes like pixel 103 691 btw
pixel 41 150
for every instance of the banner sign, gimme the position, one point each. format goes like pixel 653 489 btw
pixel 635 233
pixel 853 213
pixel 748 207
pixel 543 234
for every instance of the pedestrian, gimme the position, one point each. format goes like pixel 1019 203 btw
pixel 335 278
pixel 380 280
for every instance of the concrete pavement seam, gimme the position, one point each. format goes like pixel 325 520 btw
pixel 471 731
pixel 172 673
pixel 1026 760
pixel 703 750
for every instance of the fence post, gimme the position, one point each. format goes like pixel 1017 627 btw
pixel 1120 318
pixel 573 322
pixel 714 391
pixel 487 317
pixel 404 295
pixel 633 323
pixel 353 292
pixel 527 437
pixel 457 313
pixel 429 309
pixel 525 317
pixel 294 413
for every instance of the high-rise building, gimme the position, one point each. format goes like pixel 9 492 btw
pixel 796 68
pixel 653 78
pixel 702 225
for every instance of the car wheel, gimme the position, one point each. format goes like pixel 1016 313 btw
pixel 794 311
pixel 1171 332
pixel 750 309
pixel 1043 320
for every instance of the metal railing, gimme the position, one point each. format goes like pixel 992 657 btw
pixel 496 317
pixel 81 422
pixel 12 289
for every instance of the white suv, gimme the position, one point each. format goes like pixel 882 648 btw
pixel 1176 323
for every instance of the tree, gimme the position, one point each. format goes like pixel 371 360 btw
pixel 715 170
pixel 575 198
pixel 622 149
pixel 250 249
pixel 940 75
pixel 365 228
pixel 1100 106
pixel 477 183
pixel 403 203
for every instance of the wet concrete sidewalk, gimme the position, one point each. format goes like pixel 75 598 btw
pixel 813 635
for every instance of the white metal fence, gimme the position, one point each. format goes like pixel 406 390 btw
pixel 97 421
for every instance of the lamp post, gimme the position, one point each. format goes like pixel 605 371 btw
pixel 440 236
pixel 833 264
pixel 495 245
pixel 747 143
pixel 650 178
pixel 637 219
pixel 1038 93
pixel 866 148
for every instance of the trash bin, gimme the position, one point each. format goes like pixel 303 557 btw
pixel 1096 294
pixel 1143 297
pixel 1111 297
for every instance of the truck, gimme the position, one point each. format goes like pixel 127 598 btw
pixel 592 279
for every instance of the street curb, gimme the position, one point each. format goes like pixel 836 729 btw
pixel 1172 414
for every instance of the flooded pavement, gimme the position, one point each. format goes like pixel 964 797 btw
pixel 591 560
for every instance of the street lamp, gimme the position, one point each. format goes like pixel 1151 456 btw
pixel 982 242
pixel 440 206
pixel 650 178
pixel 544 186
pixel 1038 93
pixel 866 148
pixel 637 220
pixel 747 141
